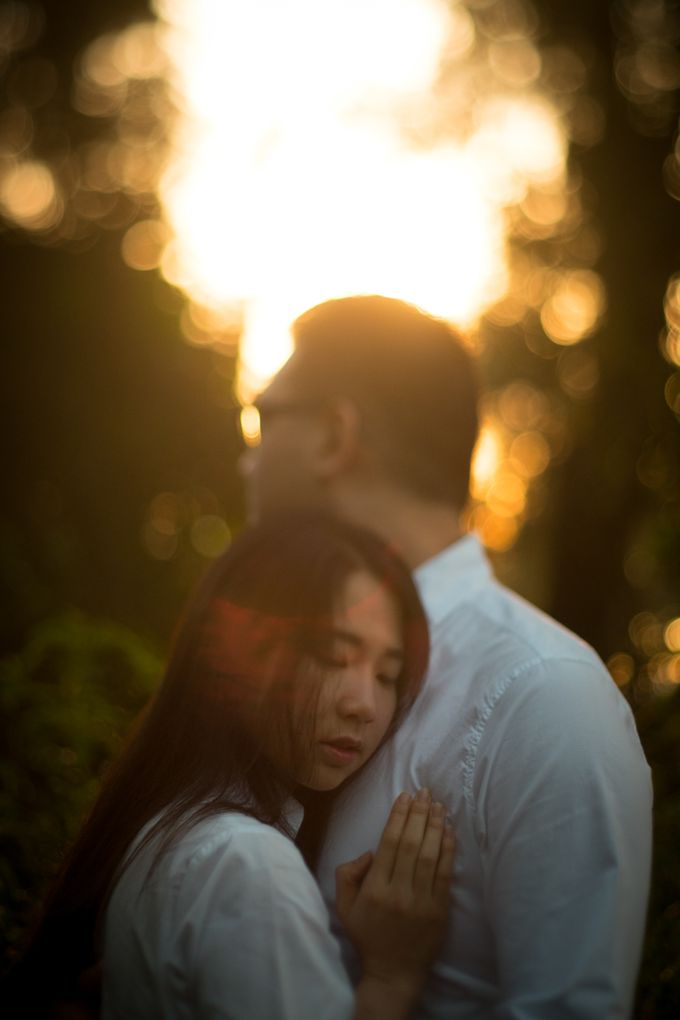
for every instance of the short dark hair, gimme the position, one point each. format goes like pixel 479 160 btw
pixel 412 378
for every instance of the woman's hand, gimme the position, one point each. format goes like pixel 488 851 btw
pixel 394 905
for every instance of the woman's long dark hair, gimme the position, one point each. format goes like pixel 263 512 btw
pixel 243 649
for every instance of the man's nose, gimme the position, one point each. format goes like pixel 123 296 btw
pixel 356 695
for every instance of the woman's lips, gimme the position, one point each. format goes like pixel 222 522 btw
pixel 344 751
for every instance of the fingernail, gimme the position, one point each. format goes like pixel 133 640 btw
pixel 437 810
pixel 423 795
pixel 403 799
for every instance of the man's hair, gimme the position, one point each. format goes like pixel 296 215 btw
pixel 412 379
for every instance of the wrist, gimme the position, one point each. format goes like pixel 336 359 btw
pixel 396 973
pixel 387 997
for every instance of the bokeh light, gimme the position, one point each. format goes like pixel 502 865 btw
pixel 655 637
pixel 210 535
pixel 28 195
pixel 574 307
pixel 143 244
pixel 621 665
pixel 188 519
pixel 647 63
pixel 671 635
pixel 20 26
pixel 523 433
pixel 670 338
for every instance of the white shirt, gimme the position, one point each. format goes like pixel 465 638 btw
pixel 521 732
pixel 230 924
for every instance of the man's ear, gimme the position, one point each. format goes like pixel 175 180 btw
pixel 340 440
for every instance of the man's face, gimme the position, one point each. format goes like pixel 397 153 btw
pixel 279 473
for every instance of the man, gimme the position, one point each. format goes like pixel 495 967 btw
pixel 519 729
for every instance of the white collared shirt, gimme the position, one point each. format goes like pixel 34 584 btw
pixel 523 735
pixel 230 924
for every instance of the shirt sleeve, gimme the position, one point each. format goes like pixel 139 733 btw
pixel 254 939
pixel 563 821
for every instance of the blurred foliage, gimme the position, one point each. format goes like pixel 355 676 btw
pixel 67 699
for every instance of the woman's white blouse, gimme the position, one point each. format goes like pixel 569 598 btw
pixel 229 924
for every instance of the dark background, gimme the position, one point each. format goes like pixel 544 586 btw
pixel 105 405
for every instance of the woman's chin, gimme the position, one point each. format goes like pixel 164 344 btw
pixel 326 778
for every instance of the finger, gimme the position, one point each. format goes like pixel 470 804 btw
pixel 411 840
pixel 353 872
pixel 430 849
pixel 385 855
pixel 444 873
pixel 348 880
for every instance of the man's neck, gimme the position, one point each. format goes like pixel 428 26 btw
pixel 418 529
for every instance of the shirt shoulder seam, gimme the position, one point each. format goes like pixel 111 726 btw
pixel 490 701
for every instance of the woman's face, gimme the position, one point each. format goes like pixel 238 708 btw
pixel 362 659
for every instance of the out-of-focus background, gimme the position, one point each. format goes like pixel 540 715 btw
pixel 178 180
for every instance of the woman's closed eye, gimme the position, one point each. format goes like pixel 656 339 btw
pixel 388 678
pixel 342 650
pixel 331 654
pixel 334 652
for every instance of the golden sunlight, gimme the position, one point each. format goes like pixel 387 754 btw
pixel 312 157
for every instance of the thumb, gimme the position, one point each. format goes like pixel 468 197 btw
pixel 348 880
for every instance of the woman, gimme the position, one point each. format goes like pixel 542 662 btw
pixel 297 658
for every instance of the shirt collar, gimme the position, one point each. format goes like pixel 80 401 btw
pixel 293 813
pixel 448 578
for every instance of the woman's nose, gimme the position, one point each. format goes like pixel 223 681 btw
pixel 356 695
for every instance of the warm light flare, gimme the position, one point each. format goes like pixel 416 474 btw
pixel 305 162
pixel 250 425
pixel 519 142
pixel 506 496
pixel 487 457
